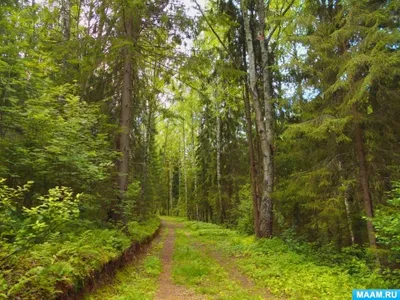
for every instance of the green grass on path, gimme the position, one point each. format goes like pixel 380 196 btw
pixel 269 263
pixel 193 268
pixel 287 274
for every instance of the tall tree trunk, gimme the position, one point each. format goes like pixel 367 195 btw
pixel 346 198
pixel 146 160
pixel 249 133
pixel 265 229
pixel 266 212
pixel 363 177
pixel 65 12
pixel 163 163
pixel 193 163
pixel 184 167
pixel 171 179
pixel 218 133
pixel 126 110
pixel 349 222
pixel 253 168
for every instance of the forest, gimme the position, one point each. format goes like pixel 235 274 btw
pixel 124 121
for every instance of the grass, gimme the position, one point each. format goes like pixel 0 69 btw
pixel 136 280
pixel 174 219
pixel 65 259
pixel 287 274
pixel 192 267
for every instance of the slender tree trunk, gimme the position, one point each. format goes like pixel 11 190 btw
pixel 249 133
pixel 253 168
pixel 193 164
pixel 65 12
pixel 266 209
pixel 126 111
pixel 164 163
pixel 346 197
pixel 146 159
pixel 171 179
pixel 184 167
pixel 363 177
pixel 349 222
pixel 168 184
pixel 218 133
pixel 265 229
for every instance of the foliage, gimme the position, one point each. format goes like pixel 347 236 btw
pixel 61 262
pixel 273 264
pixel 10 200
pixel 141 231
pixel 245 219
pixel 49 248
pixel 192 141
pixel 134 281
pixel 387 224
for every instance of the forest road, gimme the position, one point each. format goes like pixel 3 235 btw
pixel 167 289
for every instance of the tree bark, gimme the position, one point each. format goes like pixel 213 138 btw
pixel 265 229
pixel 363 178
pixel 184 167
pixel 126 111
pixel 249 133
pixel 146 159
pixel 266 209
pixel 253 168
pixel 65 12
pixel 348 215
pixel 218 133
pixel 170 190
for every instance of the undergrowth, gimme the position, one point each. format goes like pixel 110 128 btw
pixel 289 272
pixel 66 258
pixel 136 280
pixel 194 268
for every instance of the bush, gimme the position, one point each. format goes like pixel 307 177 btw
pixel 245 219
pixel 48 248
pixel 387 224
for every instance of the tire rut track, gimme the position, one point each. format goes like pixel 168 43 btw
pixel 167 289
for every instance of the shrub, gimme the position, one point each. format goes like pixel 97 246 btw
pixel 387 224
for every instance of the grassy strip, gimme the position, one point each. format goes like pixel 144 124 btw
pixel 271 264
pixel 193 268
pixel 66 258
pixel 135 281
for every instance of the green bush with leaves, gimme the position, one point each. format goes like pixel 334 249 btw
pixel 48 248
pixel 139 231
pixel 10 203
pixel 387 224
pixel 245 221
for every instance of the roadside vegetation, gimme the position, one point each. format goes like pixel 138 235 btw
pixel 137 280
pixel 50 249
pixel 193 267
pixel 288 269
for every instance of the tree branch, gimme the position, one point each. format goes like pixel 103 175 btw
pixel 212 29
pixel 277 25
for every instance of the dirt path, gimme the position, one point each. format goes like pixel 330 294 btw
pixel 234 273
pixel 167 289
